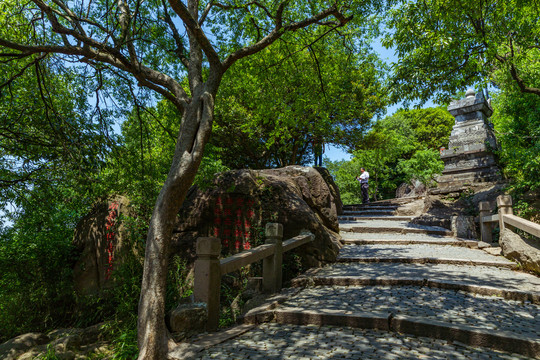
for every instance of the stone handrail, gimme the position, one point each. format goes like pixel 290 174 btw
pixel 245 257
pixel 209 269
pixel 522 224
pixel 505 218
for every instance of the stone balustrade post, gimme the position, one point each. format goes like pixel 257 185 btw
pixel 272 274
pixel 207 282
pixel 504 202
pixel 485 227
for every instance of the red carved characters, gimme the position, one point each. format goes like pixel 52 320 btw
pixel 233 218
pixel 110 222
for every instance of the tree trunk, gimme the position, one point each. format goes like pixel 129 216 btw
pixel 196 126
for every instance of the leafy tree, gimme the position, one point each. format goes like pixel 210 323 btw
pixel 396 149
pixel 517 125
pixel 138 43
pixel 36 261
pixel 302 94
pixel 423 166
pixel 445 45
pixel 46 132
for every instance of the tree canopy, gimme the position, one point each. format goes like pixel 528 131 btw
pixel 444 46
pixel 274 106
pixel 396 149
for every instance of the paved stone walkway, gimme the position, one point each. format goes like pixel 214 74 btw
pixel 456 307
pixel 273 341
pixel 394 283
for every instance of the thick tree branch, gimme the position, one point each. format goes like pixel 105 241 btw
pixel 279 30
pixel 181 10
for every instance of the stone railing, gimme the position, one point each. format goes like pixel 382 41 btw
pixel 505 218
pixel 209 268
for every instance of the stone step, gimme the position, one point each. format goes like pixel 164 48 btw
pixel 369 208
pixel 373 217
pixel 421 254
pixel 398 241
pixel 389 226
pixel 368 212
pixel 411 238
pixel 483 280
pixel 445 314
pixel 274 341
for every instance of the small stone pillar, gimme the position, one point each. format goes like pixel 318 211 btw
pixel 272 274
pixel 485 227
pixel 504 202
pixel 207 284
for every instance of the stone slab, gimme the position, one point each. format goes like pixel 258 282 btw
pixel 500 281
pixel 417 252
pixel 280 341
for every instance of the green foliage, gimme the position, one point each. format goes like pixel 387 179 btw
pixel 50 354
pixel 36 258
pixel 140 166
pixel 517 125
pixel 424 165
pixel 271 113
pixel 446 45
pixel 397 149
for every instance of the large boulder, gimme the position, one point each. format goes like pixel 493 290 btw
pixel 100 238
pixel 240 203
pixel 526 252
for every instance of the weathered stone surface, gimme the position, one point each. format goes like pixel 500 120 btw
pixel 188 317
pixel 464 227
pixel 71 343
pixel 524 251
pixel 415 188
pixel 429 220
pixel 100 238
pixel 334 189
pixel 11 349
pixel 240 203
pixel 469 157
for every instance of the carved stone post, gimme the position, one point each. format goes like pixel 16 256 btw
pixel 485 227
pixel 272 274
pixel 207 284
pixel 504 202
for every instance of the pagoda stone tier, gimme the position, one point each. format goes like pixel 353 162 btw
pixel 469 160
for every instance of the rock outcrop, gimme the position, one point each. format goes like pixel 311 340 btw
pixel 74 343
pixel 240 203
pixel 100 238
pixel 412 189
pixel 526 252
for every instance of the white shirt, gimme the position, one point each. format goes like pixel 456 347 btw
pixel 364 177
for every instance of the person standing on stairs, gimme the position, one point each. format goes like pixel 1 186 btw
pixel 364 185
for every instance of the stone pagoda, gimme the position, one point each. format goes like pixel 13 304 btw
pixel 469 160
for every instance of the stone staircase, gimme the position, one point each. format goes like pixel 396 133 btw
pixel 398 291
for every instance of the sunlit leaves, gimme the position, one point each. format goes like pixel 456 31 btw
pixel 445 46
